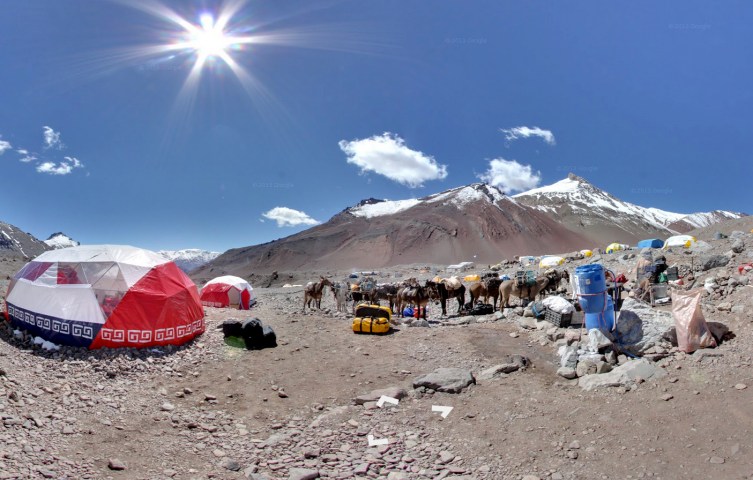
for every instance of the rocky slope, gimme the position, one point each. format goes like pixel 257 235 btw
pixel 15 242
pixel 475 223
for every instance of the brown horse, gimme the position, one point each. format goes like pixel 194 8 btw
pixel 313 292
pixel 509 288
pixel 488 287
pixel 388 292
pixel 413 293
pixel 444 291
pixel 555 277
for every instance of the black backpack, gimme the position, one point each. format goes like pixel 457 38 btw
pixel 482 309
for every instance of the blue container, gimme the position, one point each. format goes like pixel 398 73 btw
pixel 591 287
pixel 604 321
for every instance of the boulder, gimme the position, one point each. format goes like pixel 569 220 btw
pixel 623 375
pixel 640 327
pixel 738 245
pixel 449 380
pixel 567 372
pixel 713 261
pixel 585 368
pixel 568 356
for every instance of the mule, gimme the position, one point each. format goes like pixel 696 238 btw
pixel 388 292
pixel 339 292
pixel 445 291
pixel 488 287
pixel 313 292
pixel 412 292
pixel 509 288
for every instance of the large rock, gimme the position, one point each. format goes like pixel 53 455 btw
pixel 713 261
pixel 567 372
pixel 622 375
pixel 450 380
pixel 568 356
pixel 374 395
pixel 585 368
pixel 303 474
pixel 640 327
pixel 528 323
pixel 738 245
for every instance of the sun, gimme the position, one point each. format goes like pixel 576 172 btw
pixel 210 40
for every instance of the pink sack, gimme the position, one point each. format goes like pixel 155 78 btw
pixel 692 331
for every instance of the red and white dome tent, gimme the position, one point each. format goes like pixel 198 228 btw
pixel 228 291
pixel 105 296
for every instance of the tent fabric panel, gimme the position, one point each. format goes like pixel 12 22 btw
pixel 54 329
pixel 216 295
pixel 162 308
pixel 33 270
pixel 245 300
pixel 104 253
pixel 237 282
pixel 69 302
pixel 132 274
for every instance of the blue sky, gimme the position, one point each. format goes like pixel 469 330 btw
pixel 357 99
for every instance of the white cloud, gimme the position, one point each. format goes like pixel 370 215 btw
pixel 387 155
pixel 287 217
pixel 52 138
pixel 510 176
pixel 4 146
pixel 27 158
pixel 22 151
pixel 525 132
pixel 62 168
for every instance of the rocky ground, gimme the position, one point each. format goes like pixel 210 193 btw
pixel 308 409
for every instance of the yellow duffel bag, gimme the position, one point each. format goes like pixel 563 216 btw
pixel 372 319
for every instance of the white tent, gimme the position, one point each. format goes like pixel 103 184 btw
pixel 105 296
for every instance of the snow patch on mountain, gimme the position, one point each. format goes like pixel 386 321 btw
pixel 384 207
pixel 190 258
pixel 582 196
pixel 61 240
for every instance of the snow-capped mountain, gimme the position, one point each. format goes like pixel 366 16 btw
pixel 583 207
pixel 190 258
pixel 61 240
pixel 15 242
pixel 475 222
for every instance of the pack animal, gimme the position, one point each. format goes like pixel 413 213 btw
pixel 312 292
pixel 340 291
pixel 413 293
pixel 487 287
pixel 509 288
pixel 445 290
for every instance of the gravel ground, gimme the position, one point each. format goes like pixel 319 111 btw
pixel 208 410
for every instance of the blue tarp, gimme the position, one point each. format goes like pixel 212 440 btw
pixel 651 243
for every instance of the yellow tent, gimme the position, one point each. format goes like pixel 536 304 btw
pixel 551 261
pixel 472 278
pixel 614 247
pixel 586 253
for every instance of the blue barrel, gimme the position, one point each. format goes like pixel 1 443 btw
pixel 604 321
pixel 591 287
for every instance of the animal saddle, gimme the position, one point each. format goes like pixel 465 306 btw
pixel 525 278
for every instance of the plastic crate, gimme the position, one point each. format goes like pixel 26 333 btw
pixel 558 319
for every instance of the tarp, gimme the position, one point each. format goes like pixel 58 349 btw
pixel 551 261
pixel 105 296
pixel 651 243
pixel 228 291
pixel 684 241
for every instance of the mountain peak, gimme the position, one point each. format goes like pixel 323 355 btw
pixel 61 240
pixel 572 176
